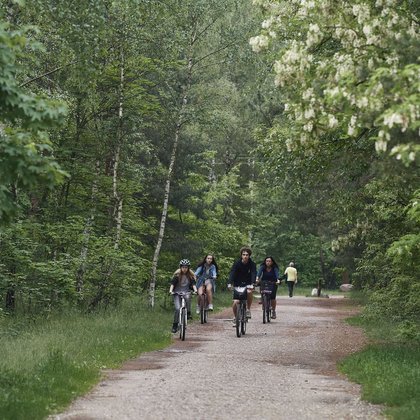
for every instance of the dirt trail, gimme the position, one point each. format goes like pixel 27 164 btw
pixel 282 370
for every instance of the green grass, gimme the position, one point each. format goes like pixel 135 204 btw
pixel 388 370
pixel 390 375
pixel 47 363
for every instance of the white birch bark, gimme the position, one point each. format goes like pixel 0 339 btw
pixel 185 93
pixel 118 201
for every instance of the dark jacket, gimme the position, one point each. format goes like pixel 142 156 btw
pixel 243 274
pixel 262 270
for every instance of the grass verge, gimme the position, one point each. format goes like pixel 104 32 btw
pixel 45 364
pixel 388 370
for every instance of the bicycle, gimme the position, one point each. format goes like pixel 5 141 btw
pixel 241 319
pixel 183 315
pixel 266 292
pixel 266 289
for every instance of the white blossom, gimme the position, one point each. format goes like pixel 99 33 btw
pixel 381 145
pixel 259 42
pixel 332 121
pixel 308 126
pixel 394 118
pixel 363 102
pixel 309 113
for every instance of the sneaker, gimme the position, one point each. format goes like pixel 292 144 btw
pixel 248 314
pixel 197 310
pixel 234 322
pixel 273 315
pixel 210 307
pixel 174 328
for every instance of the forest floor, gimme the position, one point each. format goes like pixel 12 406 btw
pixel 286 369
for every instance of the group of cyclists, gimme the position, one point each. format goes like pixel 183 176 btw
pixel 242 274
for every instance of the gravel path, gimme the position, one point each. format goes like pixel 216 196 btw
pixel 282 370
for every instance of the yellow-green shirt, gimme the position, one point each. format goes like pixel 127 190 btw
pixel 291 274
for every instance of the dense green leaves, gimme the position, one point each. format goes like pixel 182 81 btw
pixel 25 151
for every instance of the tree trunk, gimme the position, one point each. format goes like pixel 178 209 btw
pixel 10 299
pixel 324 276
pixel 86 233
pixel 118 202
pixel 185 93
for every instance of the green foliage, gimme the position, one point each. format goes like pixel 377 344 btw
pixel 25 151
pixel 399 300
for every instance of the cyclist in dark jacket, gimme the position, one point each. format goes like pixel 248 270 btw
pixel 269 274
pixel 243 273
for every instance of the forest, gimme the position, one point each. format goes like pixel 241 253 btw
pixel 134 133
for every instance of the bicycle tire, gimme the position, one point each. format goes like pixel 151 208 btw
pixel 238 320
pixel 264 303
pixel 244 319
pixel 183 325
pixel 202 309
pixel 267 307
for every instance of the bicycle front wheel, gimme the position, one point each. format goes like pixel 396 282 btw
pixel 244 319
pixel 264 302
pixel 238 320
pixel 183 324
pixel 268 308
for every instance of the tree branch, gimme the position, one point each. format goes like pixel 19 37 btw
pixel 213 52
pixel 46 74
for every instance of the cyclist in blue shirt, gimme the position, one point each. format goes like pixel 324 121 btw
pixel 206 274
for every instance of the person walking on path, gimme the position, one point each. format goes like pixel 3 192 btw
pixel 291 277
pixel 206 274
pixel 243 273
pixel 183 281
pixel 269 274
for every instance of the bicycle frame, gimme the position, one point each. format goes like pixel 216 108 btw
pixel 182 320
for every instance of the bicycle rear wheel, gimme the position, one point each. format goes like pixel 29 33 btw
pixel 238 320
pixel 183 324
